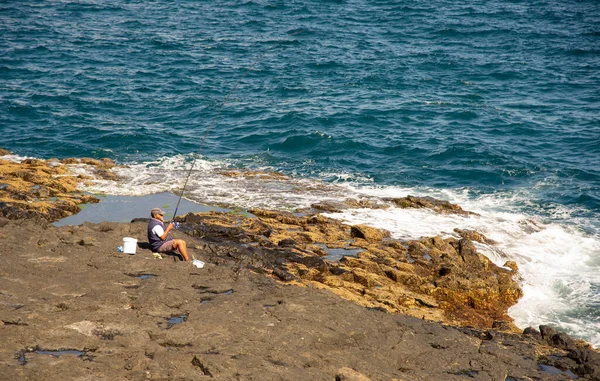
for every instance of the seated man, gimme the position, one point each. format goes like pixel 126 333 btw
pixel 159 237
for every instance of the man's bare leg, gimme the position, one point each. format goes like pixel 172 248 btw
pixel 180 245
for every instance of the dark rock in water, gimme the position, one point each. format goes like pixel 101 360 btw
pixel 474 236
pixel 436 205
pixel 547 331
pixel 530 331
pixel 555 338
pixel 562 340
pixel 328 207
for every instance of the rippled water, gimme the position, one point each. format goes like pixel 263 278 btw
pixel 493 104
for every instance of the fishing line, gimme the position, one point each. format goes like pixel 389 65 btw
pixel 214 119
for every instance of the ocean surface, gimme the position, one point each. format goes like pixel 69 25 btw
pixel 494 105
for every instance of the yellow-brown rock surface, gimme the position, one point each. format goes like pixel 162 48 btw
pixel 440 279
pixel 45 188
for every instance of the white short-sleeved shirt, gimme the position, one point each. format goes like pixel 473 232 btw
pixel 158 230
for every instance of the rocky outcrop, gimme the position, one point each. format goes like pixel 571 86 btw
pixel 434 204
pixel 439 279
pixel 46 189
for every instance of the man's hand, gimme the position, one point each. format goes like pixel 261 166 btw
pixel 167 230
pixel 170 226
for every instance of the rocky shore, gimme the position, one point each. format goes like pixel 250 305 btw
pixel 284 296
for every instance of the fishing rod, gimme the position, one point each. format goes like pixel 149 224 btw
pixel 214 119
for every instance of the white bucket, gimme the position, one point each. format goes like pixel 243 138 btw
pixel 129 245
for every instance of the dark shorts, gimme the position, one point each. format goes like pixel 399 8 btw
pixel 167 246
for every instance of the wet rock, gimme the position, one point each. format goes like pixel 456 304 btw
pixel 4 152
pixel 474 236
pixel 530 331
pixel 365 203
pixel 89 199
pixel 327 206
pixel 436 205
pixel 547 332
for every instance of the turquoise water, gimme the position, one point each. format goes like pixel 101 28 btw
pixel 493 104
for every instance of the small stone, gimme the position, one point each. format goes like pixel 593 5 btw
pixel 349 374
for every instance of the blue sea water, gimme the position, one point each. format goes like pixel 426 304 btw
pixel 492 104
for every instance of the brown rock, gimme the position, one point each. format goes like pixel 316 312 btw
pixel 366 278
pixel 474 236
pixel 365 203
pixel 349 374
pixel 436 205
pixel 435 278
pixel 362 263
pixel 368 233
pixel 328 206
pixel 30 185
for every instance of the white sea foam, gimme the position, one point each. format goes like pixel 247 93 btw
pixel 15 158
pixel 558 262
pixel 208 184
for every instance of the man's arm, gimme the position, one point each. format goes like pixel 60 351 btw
pixel 167 230
pixel 162 234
